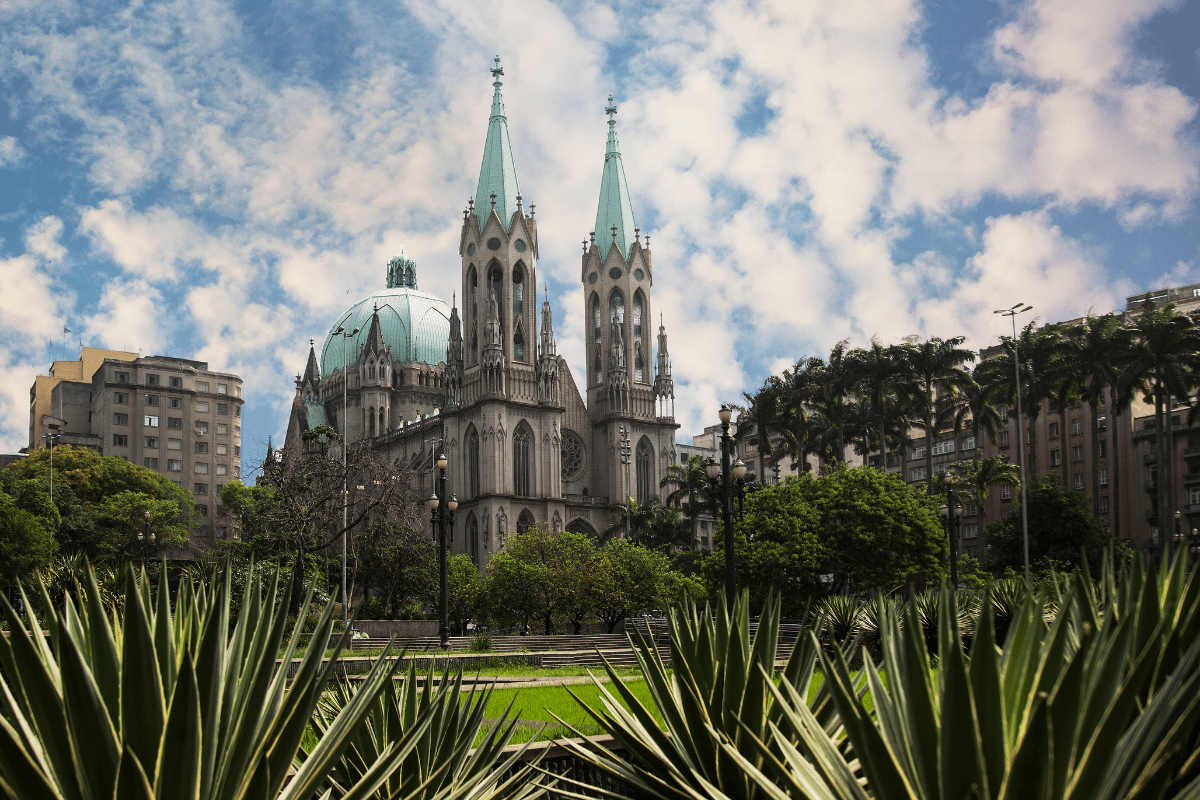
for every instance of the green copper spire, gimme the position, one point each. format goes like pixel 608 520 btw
pixel 614 208
pixel 498 174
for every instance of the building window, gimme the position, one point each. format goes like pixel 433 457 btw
pixel 174 402
pixel 200 468
pixel 473 464
pixel 175 382
pixel 222 469
pixel 151 399
pixel 237 451
pixel 1194 496
pixel 222 449
pixel 1004 438
pixel 917 454
pixel 237 411
pixel 1078 480
pixel 521 460
pixel 152 380
pixel 970 509
pixel 174 465
pixel 152 463
pixel 122 377
pixel 525 521
pixel 1103 448
pixel 121 398
pixel 120 440
pixel 971 530
pixel 1102 475
pixel 200 447
pixel 120 419
pixel 643 460
pixel 175 422
pixel 1005 492
pixel 152 441
pixel 223 408
pixel 1077 427
pixel 201 386
pixel 1103 504
pixel 150 421
pixel 202 406
pixel 200 427
pixel 174 444
pixel 222 429
pixel 202 508
pixel 941 448
pixel 222 388
pixel 918 474
pixel 940 469
pixel 1003 412
pixel 1053 430
pixel 1055 458
pixel 969 443
pixel 1077 453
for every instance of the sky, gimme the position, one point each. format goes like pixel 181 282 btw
pixel 219 180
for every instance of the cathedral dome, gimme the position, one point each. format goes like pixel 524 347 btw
pixel 414 324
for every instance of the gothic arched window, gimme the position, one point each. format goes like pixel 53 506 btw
pixel 371 370
pixel 522 459
pixel 473 300
pixel 616 308
pixel 597 364
pixel 524 521
pixel 382 423
pixel 472 464
pixel 473 538
pixel 371 422
pixel 644 460
pixel 639 310
pixel 495 283
pixel 518 344
pixel 518 281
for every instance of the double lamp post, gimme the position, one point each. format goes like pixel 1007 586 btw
pixel 441 508
pixel 727 481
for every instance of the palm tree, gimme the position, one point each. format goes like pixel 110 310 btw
pixel 979 474
pixel 1094 351
pixel 1164 360
pixel 691 485
pixel 763 420
pixel 879 372
pixel 651 524
pixel 798 426
pixel 936 376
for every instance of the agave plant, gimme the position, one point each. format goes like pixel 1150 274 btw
pixel 842 617
pixel 446 761
pixel 1103 701
pixel 717 709
pixel 178 703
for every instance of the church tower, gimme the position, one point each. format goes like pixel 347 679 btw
pixel 617 276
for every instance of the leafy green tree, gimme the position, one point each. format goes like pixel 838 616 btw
pixel 539 574
pixel 865 527
pixel 650 524
pixel 935 376
pixel 1060 529
pixel 91 518
pixel 397 561
pixel 627 578
pixel 978 475
pixel 26 542
pixel 464 586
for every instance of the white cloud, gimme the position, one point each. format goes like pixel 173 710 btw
pixel 131 316
pixel 10 152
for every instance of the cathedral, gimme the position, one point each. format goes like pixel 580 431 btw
pixel 485 385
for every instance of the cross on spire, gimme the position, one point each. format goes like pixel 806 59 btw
pixel 498 70
pixel 611 110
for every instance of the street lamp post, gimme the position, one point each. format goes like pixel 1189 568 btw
pixel 725 481
pixel 1194 548
pixel 441 508
pixel 52 435
pixel 952 516
pixel 1019 308
pixel 145 539
pixel 1177 538
pixel 345 443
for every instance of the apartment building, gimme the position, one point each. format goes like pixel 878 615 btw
pixel 171 415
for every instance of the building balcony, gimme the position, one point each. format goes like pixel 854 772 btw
pixel 1191 451
pixel 1193 508
pixel 1191 478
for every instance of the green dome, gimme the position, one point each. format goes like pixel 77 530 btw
pixel 415 325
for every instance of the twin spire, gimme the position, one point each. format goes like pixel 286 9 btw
pixel 614 213
pixel 498 174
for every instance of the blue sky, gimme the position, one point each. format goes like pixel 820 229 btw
pixel 218 180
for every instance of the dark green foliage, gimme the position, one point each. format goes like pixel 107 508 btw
pixel 26 543
pixel 1060 529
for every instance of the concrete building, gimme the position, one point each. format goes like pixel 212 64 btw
pixel 485 384
pixel 170 415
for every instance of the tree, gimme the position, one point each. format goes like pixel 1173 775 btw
pixel 1164 360
pixel 880 374
pixel 936 376
pixel 1060 529
pixel 464 586
pixel 865 527
pixel 398 561
pixel 650 524
pixel 26 542
pixel 86 488
pixel 539 574
pixel 691 490
pixel 627 578
pixel 980 474
pixel 305 493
